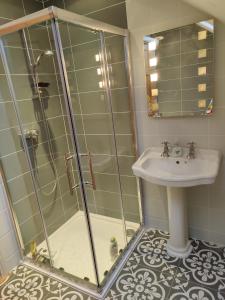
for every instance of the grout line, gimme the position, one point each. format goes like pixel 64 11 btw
pixel 102 9
pixel 89 42
pixel 209 76
pixel 81 44
pixel 94 67
pixel 183 53
pixel 72 94
pixel 182 66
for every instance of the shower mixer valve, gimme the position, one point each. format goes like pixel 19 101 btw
pixel 31 135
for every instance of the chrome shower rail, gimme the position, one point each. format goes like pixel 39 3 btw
pixel 53 12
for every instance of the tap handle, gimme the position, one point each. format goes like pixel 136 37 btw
pixel 165 143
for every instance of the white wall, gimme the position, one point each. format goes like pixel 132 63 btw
pixel 9 252
pixel 206 203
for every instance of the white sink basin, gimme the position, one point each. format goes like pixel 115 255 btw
pixel 178 171
pixel 176 174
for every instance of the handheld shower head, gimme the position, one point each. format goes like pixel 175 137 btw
pixel 38 86
pixel 43 53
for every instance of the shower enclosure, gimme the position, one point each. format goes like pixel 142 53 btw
pixel 67 81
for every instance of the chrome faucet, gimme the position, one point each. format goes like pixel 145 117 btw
pixel 165 152
pixel 191 151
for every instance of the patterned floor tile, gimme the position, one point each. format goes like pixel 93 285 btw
pixel 197 277
pixel 206 266
pixel 185 288
pixel 153 251
pixel 25 283
pixel 149 274
pixel 140 284
pixel 193 292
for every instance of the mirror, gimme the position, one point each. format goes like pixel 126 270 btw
pixel 179 70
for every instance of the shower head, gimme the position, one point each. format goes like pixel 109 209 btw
pixel 43 53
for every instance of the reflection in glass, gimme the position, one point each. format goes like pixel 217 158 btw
pixel 179 67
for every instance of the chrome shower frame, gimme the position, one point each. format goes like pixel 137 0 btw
pixel 53 14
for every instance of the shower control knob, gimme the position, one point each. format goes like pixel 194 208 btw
pixel 31 135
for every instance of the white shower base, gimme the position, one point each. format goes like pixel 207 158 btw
pixel 70 246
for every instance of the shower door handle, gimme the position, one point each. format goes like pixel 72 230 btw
pixel 93 183
pixel 72 187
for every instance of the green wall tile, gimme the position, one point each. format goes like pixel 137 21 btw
pixel 26 208
pixel 115 49
pixel 110 201
pixel 11 9
pixel 70 203
pixel 100 144
pixel 32 6
pixel 10 141
pixel 32 229
pixel 129 185
pixel 4 90
pixel 20 187
pixel 79 35
pixel 98 124
pixel 53 212
pixel 94 102
pixel 88 80
pixel 84 55
pixel 120 100
pixel 125 144
pixel 84 7
pixel 106 182
pixel 122 122
pixel 7 115
pixel 125 164
pixel 14 164
pixel 118 76
pixel 115 15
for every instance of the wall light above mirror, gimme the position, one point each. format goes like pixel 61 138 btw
pixel 179 66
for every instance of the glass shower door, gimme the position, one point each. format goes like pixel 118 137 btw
pixel 92 115
pixel 51 227
pixel 116 55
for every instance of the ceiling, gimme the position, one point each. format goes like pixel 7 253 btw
pixel 216 8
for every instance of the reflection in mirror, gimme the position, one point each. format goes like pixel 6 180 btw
pixel 179 70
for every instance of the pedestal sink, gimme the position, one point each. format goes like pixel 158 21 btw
pixel 178 173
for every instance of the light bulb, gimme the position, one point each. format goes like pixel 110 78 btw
pixel 153 62
pixel 154 77
pixel 152 45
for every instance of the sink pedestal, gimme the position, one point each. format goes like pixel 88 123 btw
pixel 178 173
pixel 178 245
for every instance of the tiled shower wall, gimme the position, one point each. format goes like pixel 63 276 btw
pixel 58 206
pixel 108 11
pixel 94 122
pixel 18 180
pixel 206 204
pixel 92 114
